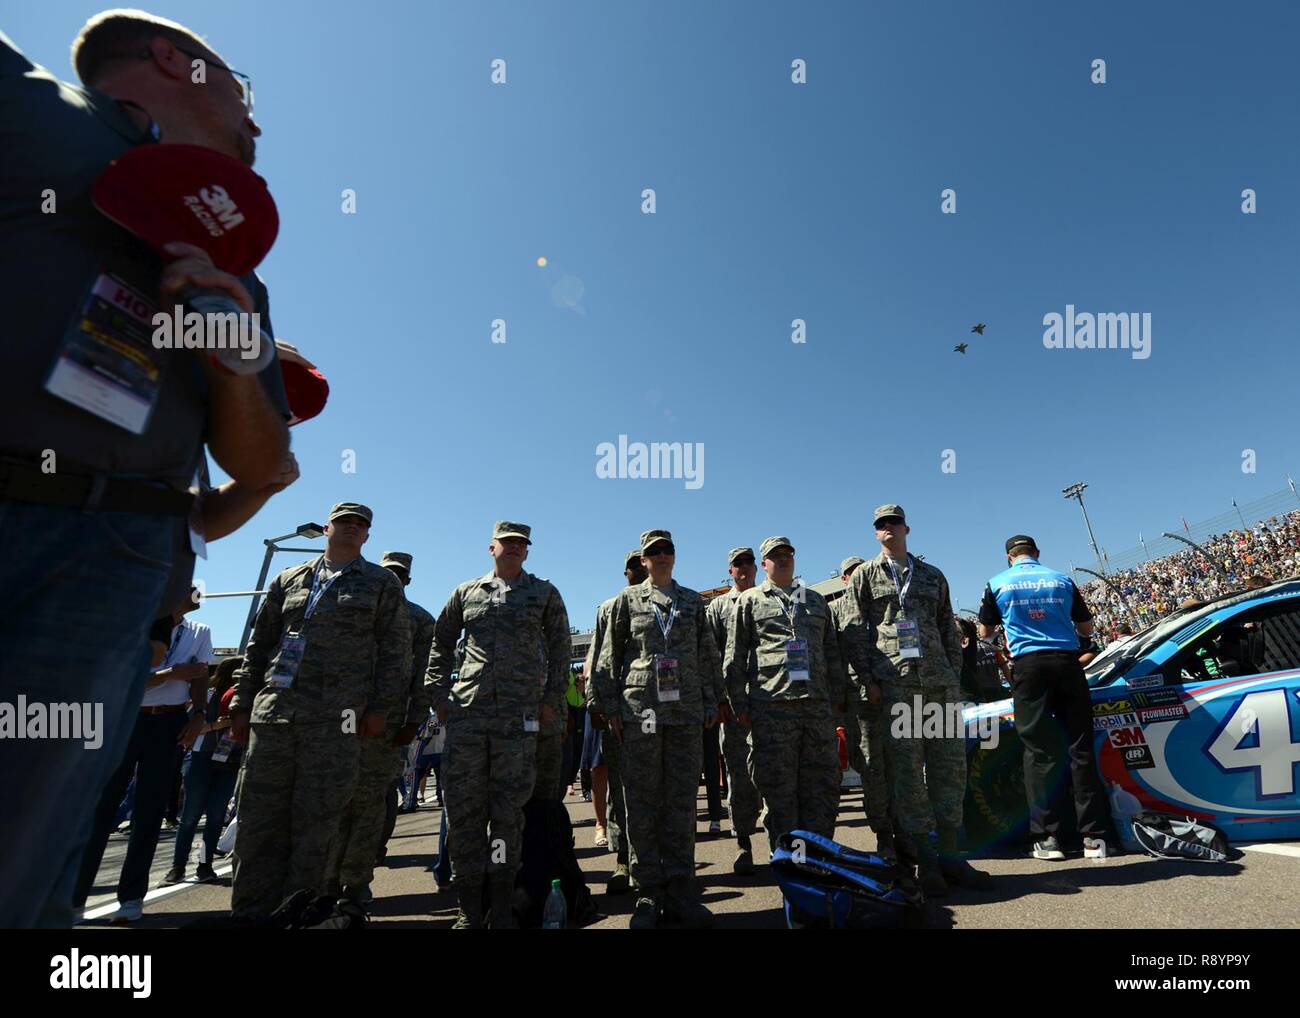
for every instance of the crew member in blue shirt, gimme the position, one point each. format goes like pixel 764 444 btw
pixel 1043 616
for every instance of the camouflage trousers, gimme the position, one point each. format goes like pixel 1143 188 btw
pixel 929 774
pixel 611 750
pixel 295 782
pixel 550 759
pixel 743 802
pixel 661 780
pixel 866 738
pixel 490 766
pixel 361 827
pixel 797 766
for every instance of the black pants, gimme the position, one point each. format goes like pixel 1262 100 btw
pixel 153 754
pixel 1054 722
pixel 713 773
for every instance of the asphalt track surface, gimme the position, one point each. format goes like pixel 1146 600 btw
pixel 1258 888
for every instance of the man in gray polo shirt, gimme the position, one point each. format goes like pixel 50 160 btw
pixel 92 514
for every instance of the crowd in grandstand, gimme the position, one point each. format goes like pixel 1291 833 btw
pixel 1269 549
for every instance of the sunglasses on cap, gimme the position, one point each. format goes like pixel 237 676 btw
pixel 661 549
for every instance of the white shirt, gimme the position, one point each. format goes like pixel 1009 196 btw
pixel 191 642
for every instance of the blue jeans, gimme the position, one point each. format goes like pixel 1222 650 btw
pixel 77 594
pixel 208 788
pixel 153 755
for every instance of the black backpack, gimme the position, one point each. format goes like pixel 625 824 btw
pixel 548 854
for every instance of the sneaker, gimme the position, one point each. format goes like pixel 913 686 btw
pixel 1095 848
pixel 715 827
pixel 744 864
pixel 646 916
pixel 204 873
pixel 175 875
pixel 620 882
pixel 602 839
pixel 127 912
pixel 1049 848
pixel 170 824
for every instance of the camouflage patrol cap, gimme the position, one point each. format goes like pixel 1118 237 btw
pixel 632 556
pixel 653 537
pixel 883 511
pixel 351 509
pixel 397 559
pixel 849 563
pixel 772 543
pixel 735 553
pixel 504 528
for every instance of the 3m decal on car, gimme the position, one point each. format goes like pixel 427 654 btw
pixel 1122 737
pixel 1146 681
pixel 1114 721
pixel 1111 707
pixel 1172 712
pixel 1137 758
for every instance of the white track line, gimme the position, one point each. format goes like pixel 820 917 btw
pixel 160 892
pixel 1291 850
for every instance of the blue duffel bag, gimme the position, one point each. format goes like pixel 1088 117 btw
pixel 832 886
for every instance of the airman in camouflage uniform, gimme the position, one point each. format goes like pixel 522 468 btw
pixel 515 669
pixel 791 698
pixel 929 773
pixel 611 749
pixel 364 828
pixel 659 678
pixel 743 800
pixel 864 729
pixel 330 654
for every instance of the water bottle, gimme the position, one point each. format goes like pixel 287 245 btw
pixel 233 358
pixel 555 914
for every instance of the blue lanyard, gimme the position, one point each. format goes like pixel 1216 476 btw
pixel 791 614
pixel 318 590
pixel 659 617
pixel 902 588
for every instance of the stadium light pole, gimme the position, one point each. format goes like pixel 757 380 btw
pixel 1106 580
pixel 1209 558
pixel 307 530
pixel 1075 491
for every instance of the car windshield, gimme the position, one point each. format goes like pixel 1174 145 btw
pixel 1115 659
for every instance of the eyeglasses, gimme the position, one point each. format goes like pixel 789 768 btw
pixel 887 521
pixel 244 82
pixel 661 549
pixel 746 561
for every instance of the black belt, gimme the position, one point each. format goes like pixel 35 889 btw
pixel 23 482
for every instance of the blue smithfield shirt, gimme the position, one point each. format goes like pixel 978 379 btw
pixel 1037 608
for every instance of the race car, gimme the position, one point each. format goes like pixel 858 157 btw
pixel 1197 715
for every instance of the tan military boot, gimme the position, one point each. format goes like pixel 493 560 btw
pixel 469 896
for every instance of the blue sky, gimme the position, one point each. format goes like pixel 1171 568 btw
pixel 775 201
